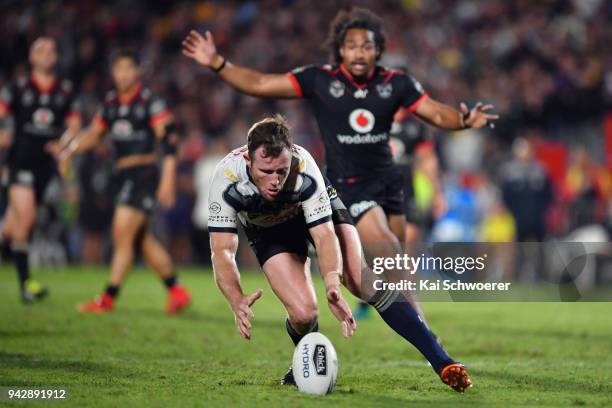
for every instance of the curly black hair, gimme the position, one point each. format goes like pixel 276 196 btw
pixel 354 18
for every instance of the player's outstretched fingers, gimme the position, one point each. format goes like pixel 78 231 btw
pixel 208 36
pixel 253 297
pixel 464 108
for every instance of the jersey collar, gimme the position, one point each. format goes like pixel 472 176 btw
pixel 41 88
pixel 128 97
pixel 352 80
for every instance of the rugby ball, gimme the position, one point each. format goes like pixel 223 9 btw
pixel 315 364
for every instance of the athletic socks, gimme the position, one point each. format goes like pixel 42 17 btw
pixel 399 314
pixel 5 249
pixel 112 291
pixel 295 336
pixel 20 256
pixel 170 282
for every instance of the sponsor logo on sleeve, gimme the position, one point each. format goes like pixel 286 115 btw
pixel 214 207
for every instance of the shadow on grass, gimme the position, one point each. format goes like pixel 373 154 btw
pixel 25 361
pixel 20 333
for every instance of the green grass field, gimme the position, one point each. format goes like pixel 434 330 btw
pixel 530 354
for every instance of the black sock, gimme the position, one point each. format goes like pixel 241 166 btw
pixel 171 281
pixel 112 291
pixel 399 314
pixel 5 250
pixel 295 336
pixel 20 255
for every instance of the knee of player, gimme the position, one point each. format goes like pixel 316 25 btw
pixel 304 316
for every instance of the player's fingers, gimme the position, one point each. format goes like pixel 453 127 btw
pixel 333 296
pixel 491 116
pixel 344 329
pixel 487 107
pixel 464 108
pixel 188 47
pixel 478 106
pixel 240 329
pixel 350 328
pixel 252 298
pixel 208 36
pixel 246 311
pixel 245 330
pixel 189 54
pixel 196 35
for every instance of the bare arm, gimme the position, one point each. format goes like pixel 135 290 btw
pixel 330 265
pixel 202 50
pixel 84 140
pixel 223 247
pixel 446 117
pixel 5 127
pixel 166 190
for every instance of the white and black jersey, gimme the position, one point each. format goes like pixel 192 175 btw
pixel 234 198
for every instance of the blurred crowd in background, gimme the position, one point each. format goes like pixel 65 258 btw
pixel 543 173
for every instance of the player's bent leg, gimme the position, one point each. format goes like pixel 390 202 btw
pixel 397 225
pixel 379 241
pixel 6 234
pixel 22 203
pixel 158 258
pixel 289 278
pixel 127 222
pixel 396 311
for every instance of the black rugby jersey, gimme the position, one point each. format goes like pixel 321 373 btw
pixel 412 134
pixel 39 115
pixel 130 121
pixel 355 118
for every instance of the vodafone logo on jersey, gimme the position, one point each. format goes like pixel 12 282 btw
pixel 361 120
pixel 43 117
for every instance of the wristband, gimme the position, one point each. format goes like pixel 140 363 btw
pixel 220 67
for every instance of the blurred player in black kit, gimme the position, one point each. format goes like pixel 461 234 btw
pixel 136 120
pixel 354 101
pixel 42 107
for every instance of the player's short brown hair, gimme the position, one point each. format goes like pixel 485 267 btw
pixel 271 132
pixel 345 20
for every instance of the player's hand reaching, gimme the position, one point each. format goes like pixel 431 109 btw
pixel 341 310
pixel 200 48
pixel 478 117
pixel 243 313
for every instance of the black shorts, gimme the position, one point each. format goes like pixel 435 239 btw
pixel 292 236
pixel 35 174
pixel 385 190
pixel 136 187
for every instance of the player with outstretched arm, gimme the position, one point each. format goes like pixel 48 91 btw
pixel 275 190
pixel 354 101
